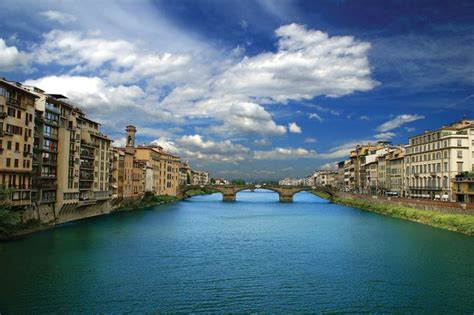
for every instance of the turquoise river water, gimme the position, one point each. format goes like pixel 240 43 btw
pixel 253 255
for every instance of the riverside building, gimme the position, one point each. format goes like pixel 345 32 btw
pixel 200 178
pixel 434 158
pixel 70 164
pixel 164 166
pixel 17 110
pixel 185 174
pixel 395 172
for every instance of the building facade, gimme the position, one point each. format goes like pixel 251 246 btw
pixel 17 111
pixel 164 166
pixel 434 158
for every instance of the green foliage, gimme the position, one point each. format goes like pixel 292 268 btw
pixel 147 200
pixel 466 174
pixel 321 194
pixel 455 222
pixel 9 220
pixel 202 191
pixel 238 181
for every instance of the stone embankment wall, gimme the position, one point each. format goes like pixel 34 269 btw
pixel 438 206
pixel 45 214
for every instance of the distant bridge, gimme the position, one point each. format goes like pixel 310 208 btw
pixel 228 192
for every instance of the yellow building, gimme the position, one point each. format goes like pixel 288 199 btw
pixel 71 157
pixel 165 168
pixel 129 172
pixel 138 178
pixel 463 187
pixel 16 141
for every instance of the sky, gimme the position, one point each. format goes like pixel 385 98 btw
pixel 250 89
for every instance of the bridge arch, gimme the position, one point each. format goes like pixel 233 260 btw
pixel 285 193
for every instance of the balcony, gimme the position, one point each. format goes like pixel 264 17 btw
pixel 48 176
pixel 50 148
pixel 12 102
pixel 48 200
pixel 51 122
pixel 87 166
pixel 19 187
pixel 50 136
pixel 431 188
pixel 3 115
pixel 47 186
pixel 89 144
pixel 87 155
pixel 53 109
pixel 85 185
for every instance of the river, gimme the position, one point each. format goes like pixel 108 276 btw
pixel 253 255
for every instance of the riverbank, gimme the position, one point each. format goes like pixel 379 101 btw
pixel 15 228
pixel 462 223
pixel 148 200
pixel 200 192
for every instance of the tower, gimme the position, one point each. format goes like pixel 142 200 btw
pixel 131 130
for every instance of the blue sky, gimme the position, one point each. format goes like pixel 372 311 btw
pixel 252 89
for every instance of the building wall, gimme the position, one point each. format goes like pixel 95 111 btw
pixel 434 158
pixel 16 142
pixel 165 169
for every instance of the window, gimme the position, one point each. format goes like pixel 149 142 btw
pixel 445 166
pixel 18 114
pixel 11 112
pixel 9 145
pixel 51 118
pixel 459 166
pixel 459 142
pixel 50 132
pixel 16 162
pixel 48 171
pixel 50 145
pixel 8 162
pixel 459 154
pixel 14 130
pixel 17 146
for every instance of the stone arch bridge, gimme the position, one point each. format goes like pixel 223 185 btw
pixel 229 192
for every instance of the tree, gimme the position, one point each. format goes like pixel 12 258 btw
pixel 8 219
pixel 238 182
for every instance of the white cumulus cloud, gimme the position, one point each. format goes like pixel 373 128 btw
pixel 11 58
pixel 294 128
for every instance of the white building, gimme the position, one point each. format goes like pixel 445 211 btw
pixel 433 158
pixel 200 178
pixel 290 182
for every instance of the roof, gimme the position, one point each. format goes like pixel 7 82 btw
pixel 457 125
pixel 58 96
pixel 17 86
